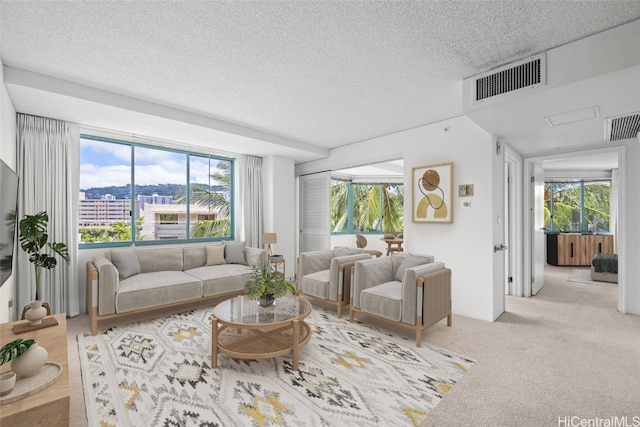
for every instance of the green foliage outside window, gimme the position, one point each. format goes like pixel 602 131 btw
pixel 574 206
pixel 366 207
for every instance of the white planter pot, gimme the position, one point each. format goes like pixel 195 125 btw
pixel 30 362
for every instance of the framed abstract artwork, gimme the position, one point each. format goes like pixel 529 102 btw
pixel 433 193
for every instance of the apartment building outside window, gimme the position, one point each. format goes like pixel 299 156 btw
pixel 140 193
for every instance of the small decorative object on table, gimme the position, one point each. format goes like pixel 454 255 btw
pixel 265 285
pixel 33 238
pixel 25 355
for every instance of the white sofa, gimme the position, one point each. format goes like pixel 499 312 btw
pixel 133 280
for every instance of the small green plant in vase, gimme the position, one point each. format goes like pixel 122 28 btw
pixel 34 240
pixel 266 285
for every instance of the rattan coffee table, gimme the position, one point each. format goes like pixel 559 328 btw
pixel 242 329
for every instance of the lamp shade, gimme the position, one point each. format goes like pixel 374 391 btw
pixel 269 238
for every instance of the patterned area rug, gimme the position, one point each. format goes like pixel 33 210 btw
pixel 584 276
pixel 157 373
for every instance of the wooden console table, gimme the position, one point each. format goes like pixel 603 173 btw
pixel 49 407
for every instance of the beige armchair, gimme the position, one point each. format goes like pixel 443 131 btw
pixel 326 275
pixel 409 291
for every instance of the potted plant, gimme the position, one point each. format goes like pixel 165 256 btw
pixel 266 285
pixel 34 240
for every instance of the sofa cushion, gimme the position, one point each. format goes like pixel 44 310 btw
pixel 221 279
pixel 126 261
pixel 408 262
pixel 384 300
pixel 234 252
pixel 193 256
pixel 215 254
pixel 316 284
pixel 154 289
pixel 160 259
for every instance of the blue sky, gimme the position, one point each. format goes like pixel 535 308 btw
pixel 105 164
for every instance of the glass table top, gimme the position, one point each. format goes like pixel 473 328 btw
pixel 243 311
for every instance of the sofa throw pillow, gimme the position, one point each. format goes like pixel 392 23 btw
pixel 234 252
pixel 126 261
pixel 408 262
pixel 215 254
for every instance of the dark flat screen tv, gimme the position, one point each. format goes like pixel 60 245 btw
pixel 8 209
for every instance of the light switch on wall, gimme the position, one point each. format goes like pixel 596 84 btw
pixel 465 190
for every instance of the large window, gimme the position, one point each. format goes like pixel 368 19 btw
pixel 362 208
pixel 577 206
pixel 138 193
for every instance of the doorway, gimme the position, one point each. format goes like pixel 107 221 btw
pixel 535 252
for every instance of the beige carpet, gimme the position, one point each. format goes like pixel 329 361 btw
pixel 566 352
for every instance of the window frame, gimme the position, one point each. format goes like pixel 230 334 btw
pixel 549 185
pixel 188 153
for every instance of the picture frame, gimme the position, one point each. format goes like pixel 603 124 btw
pixel 432 193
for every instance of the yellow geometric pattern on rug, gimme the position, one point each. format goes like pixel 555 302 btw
pixel 134 393
pixel 461 366
pixel 342 360
pixel 444 388
pixel 416 417
pixel 106 424
pixel 259 417
pixel 185 334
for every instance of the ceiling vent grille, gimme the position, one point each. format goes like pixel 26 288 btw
pixel 622 127
pixel 514 77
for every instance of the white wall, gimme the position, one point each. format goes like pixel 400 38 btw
pixel 465 245
pixel 630 207
pixel 8 155
pixel 279 207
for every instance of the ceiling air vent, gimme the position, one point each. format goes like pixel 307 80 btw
pixel 622 127
pixel 510 79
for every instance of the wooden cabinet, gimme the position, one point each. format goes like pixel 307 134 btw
pixel 48 407
pixel 576 249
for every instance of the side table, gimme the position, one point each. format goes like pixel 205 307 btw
pixel 277 261
pixel 48 407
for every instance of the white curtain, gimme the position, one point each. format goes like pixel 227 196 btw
pixel 249 226
pixel 48 167
pixel 613 207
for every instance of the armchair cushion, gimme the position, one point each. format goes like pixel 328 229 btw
pixel 408 262
pixel 345 250
pixel 316 284
pixel 384 300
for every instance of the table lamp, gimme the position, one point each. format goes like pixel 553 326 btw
pixel 268 239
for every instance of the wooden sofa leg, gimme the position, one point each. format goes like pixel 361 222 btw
pixel 339 307
pixel 449 319
pixel 94 320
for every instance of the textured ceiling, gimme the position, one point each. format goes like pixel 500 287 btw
pixel 327 73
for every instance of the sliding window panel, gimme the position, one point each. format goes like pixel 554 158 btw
pixel 160 208
pixel 210 197
pixel 104 213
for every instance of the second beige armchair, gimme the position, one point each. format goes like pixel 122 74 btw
pixel 409 291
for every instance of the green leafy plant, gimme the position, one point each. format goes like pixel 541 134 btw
pixel 264 281
pixel 14 349
pixel 34 240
